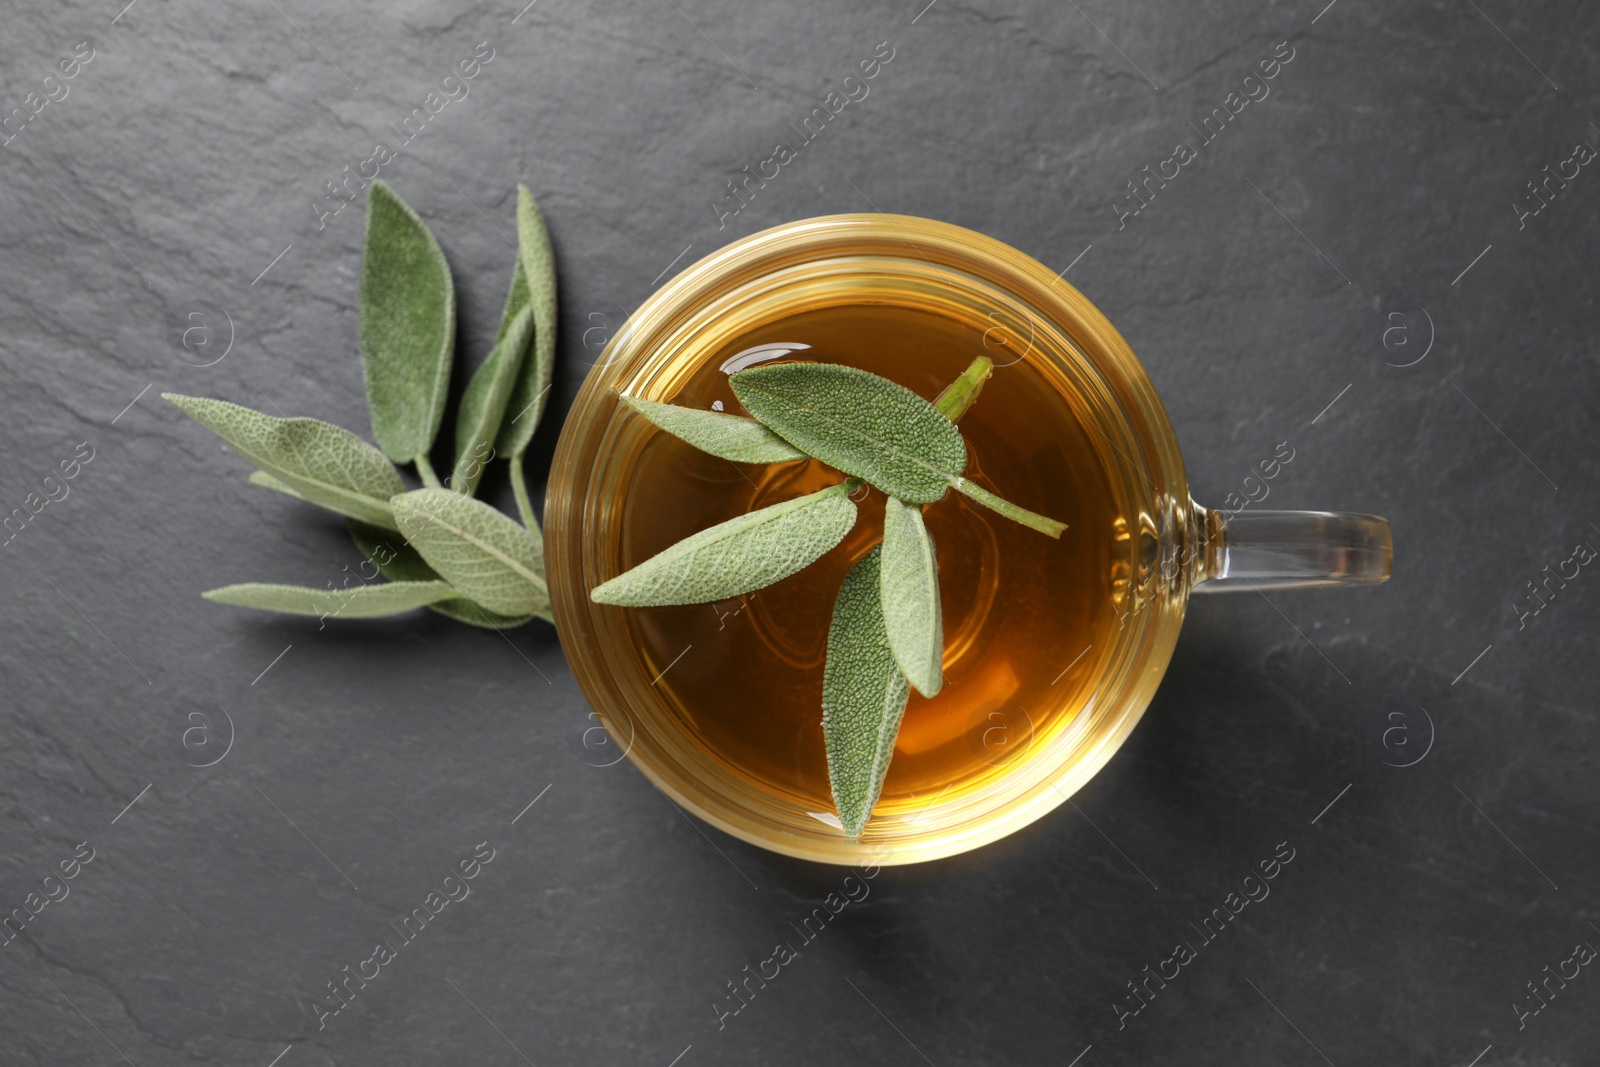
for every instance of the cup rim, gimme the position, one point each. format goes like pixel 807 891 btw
pixel 1010 271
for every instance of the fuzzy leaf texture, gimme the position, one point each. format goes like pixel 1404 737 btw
pixel 484 554
pixel 314 460
pixel 748 552
pixel 517 296
pixel 860 423
pixel 727 436
pixel 408 326
pixel 399 562
pixel 536 275
pixel 360 602
pixel 910 594
pixel 483 405
pixel 863 696
pixel 267 481
pixel 394 557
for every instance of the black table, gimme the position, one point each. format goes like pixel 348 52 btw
pixel 1350 262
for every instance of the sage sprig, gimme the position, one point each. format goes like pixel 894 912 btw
pixel 316 461
pixel 863 695
pixel 873 428
pixel 397 561
pixel 910 595
pixel 743 554
pixel 724 436
pixel 484 554
pixel 859 422
pixel 363 601
pixel 408 327
pixel 434 547
pixel 887 632
pixel 533 282
pixel 483 405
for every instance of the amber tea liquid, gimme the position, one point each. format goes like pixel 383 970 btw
pixel 1026 618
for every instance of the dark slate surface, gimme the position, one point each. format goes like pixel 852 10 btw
pixel 179 173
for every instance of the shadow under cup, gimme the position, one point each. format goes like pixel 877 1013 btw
pixel 1039 329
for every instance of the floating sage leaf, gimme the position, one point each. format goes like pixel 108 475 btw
pixel 863 696
pixel 321 463
pixel 728 436
pixel 483 404
pixel 408 327
pixel 483 553
pixel 748 552
pixel 873 428
pixel 399 562
pixel 536 273
pixel 361 602
pixel 860 423
pixel 910 594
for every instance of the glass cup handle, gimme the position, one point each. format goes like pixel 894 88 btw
pixel 1253 550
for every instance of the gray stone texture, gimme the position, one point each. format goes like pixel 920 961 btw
pixel 1257 287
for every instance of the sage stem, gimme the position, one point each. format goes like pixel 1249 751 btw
pixel 959 394
pixel 425 471
pixel 1031 519
pixel 519 488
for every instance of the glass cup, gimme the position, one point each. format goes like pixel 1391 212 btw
pixel 1166 546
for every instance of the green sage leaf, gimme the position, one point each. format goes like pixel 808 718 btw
pixel 483 405
pixel 518 297
pixel 748 552
pixel 463 610
pixel 863 696
pixel 875 429
pixel 536 276
pixel 267 481
pixel 408 326
pixel 860 423
pixel 484 554
pixel 910 594
pixel 728 436
pixel 321 463
pixel 399 562
pixel 362 602
pixel 386 550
